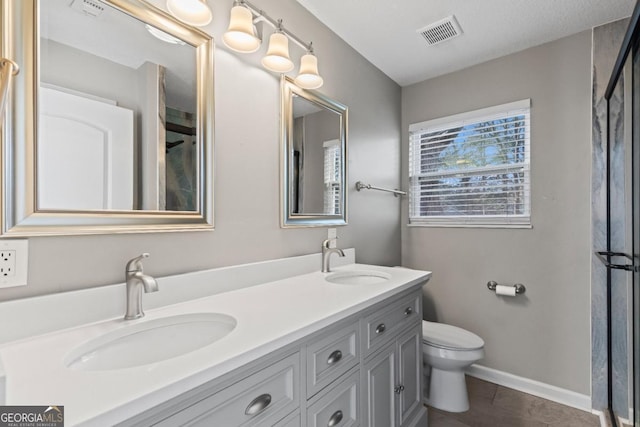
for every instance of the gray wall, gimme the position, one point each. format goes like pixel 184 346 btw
pixel 71 68
pixel 247 172
pixel 318 128
pixel 545 334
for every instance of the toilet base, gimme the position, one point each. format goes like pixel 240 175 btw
pixel 447 391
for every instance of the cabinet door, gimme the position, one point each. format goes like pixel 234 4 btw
pixel 409 370
pixel 378 391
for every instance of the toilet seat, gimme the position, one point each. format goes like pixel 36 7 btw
pixel 449 337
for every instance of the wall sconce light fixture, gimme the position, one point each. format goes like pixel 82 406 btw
pixel 192 12
pixel 308 76
pixel 243 36
pixel 277 58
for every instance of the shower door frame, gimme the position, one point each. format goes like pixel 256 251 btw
pixel 630 50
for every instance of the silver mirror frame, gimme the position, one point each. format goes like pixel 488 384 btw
pixel 19 23
pixel 288 219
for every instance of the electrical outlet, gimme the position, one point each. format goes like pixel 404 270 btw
pixel 7 263
pixel 14 262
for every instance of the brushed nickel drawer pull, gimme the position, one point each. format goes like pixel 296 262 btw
pixel 335 419
pixel 381 328
pixel 258 404
pixel 408 311
pixel 334 357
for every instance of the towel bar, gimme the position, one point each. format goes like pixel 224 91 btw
pixel 360 185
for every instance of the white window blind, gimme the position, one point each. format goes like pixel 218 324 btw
pixel 472 169
pixel 332 175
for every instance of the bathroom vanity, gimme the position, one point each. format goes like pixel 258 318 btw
pixel 314 349
pixel 277 343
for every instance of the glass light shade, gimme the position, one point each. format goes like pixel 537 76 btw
pixel 277 58
pixel 161 35
pixel 192 12
pixel 240 35
pixel 308 78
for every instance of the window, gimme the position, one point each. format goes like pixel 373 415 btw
pixel 471 169
pixel 332 177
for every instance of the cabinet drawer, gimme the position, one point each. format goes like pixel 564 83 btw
pixel 339 407
pixel 331 357
pixel 292 420
pixel 260 399
pixel 380 327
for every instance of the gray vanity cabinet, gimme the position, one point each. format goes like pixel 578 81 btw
pixel 263 398
pixel 392 373
pixel 350 374
pixel 292 420
pixel 339 407
pixel 408 374
pixel 392 382
pixel 379 398
pixel 332 354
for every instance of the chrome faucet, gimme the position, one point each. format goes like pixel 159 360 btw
pixel 326 254
pixel 136 280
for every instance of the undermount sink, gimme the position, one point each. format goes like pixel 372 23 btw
pixel 357 277
pixel 150 341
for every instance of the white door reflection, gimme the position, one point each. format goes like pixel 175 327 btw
pixel 86 160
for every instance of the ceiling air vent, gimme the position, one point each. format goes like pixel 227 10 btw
pixel 440 31
pixel 88 7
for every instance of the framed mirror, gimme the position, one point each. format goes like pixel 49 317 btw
pixel 109 125
pixel 314 158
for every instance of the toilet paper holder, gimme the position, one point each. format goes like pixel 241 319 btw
pixel 520 289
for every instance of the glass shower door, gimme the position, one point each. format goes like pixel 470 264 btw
pixel 622 228
pixel 635 212
pixel 619 242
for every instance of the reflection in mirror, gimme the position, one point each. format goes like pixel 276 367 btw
pixel 105 99
pixel 314 163
pixel 112 123
pixel 317 159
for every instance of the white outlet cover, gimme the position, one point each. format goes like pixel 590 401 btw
pixel 21 248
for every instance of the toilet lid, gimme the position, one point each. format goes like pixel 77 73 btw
pixel 450 337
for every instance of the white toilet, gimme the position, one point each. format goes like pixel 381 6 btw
pixel 447 351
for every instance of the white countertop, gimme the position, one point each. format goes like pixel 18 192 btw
pixel 269 316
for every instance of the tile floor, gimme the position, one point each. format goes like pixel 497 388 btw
pixel 492 405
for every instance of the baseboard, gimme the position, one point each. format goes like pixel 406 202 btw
pixel 630 420
pixel 626 421
pixel 605 418
pixel 602 416
pixel 536 388
pixel 420 419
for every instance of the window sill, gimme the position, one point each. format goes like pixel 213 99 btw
pixel 469 225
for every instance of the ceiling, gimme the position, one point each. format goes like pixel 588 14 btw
pixel 385 32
